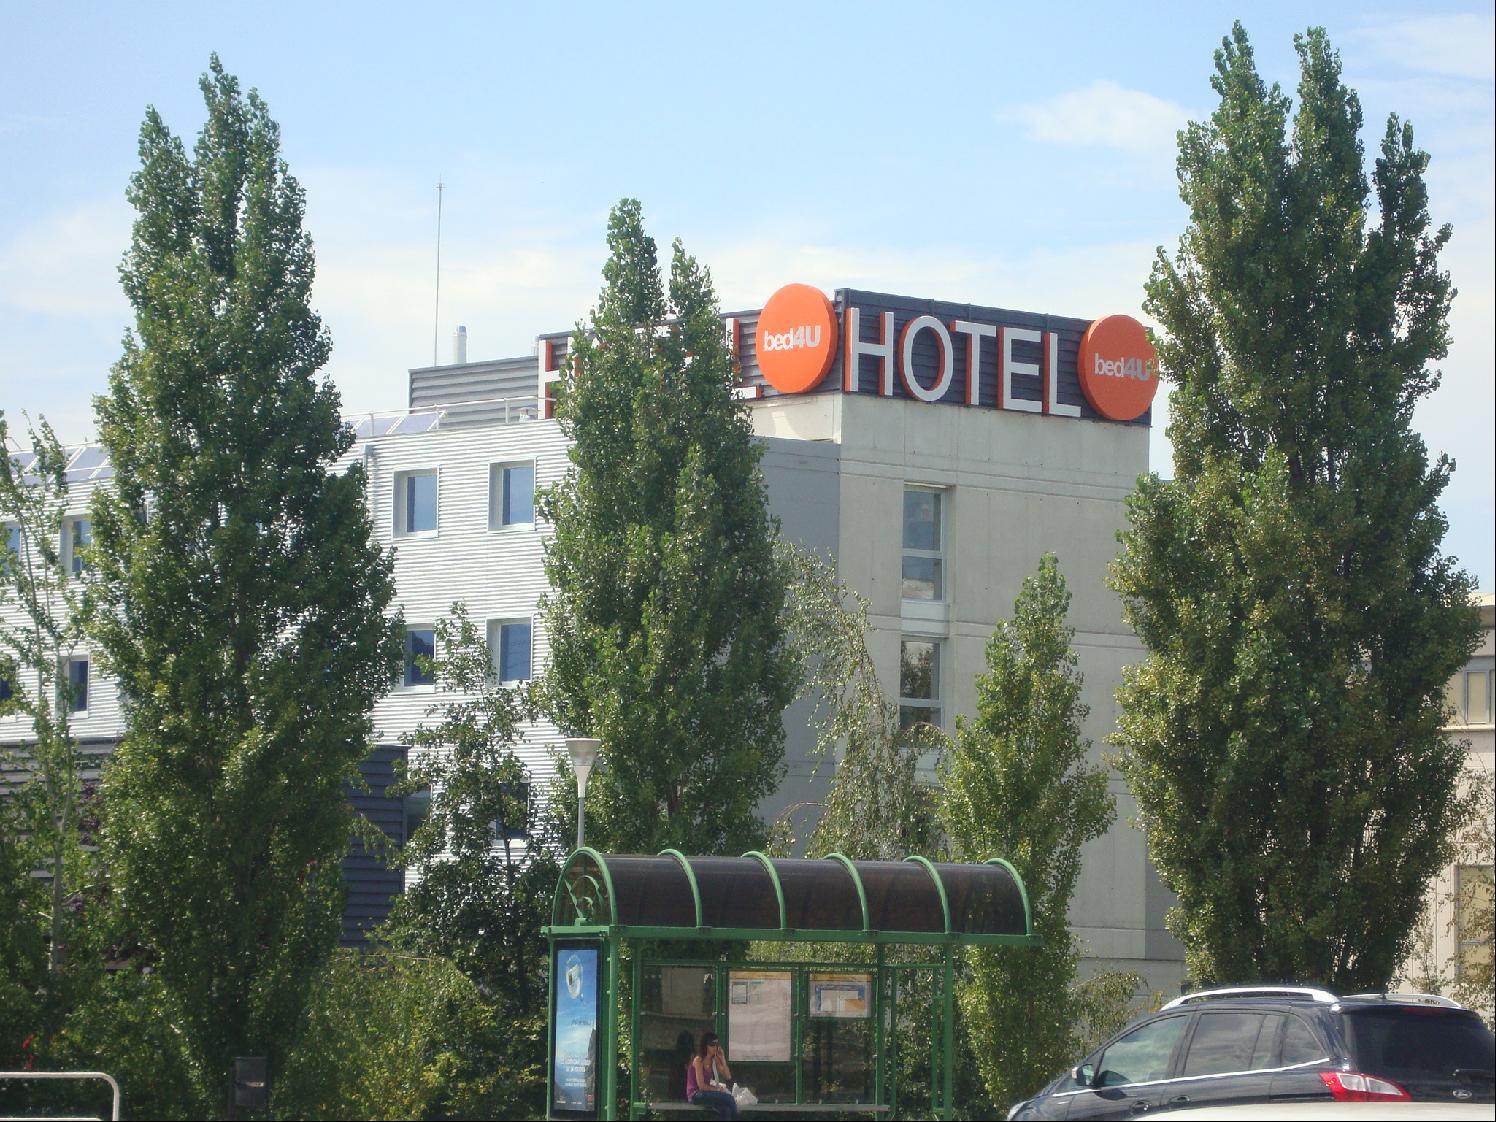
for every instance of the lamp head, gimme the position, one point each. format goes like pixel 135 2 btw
pixel 583 753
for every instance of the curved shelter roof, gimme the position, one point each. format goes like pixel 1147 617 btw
pixel 830 899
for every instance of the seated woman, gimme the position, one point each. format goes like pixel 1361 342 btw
pixel 704 1076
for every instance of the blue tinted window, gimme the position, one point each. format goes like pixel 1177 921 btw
pixel 514 651
pixel 420 642
pixel 419 502
pixel 80 537
pixel 77 684
pixel 519 494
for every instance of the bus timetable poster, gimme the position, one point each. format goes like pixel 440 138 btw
pixel 574 1032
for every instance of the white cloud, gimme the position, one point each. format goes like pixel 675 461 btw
pixel 66 263
pixel 1103 114
pixel 1457 45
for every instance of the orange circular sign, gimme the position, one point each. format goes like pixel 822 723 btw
pixel 1118 368
pixel 796 338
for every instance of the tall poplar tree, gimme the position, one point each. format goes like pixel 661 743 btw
pixel 242 604
pixel 664 625
pixel 1283 735
pixel 1018 785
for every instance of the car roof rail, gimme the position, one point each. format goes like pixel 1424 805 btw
pixel 1434 999
pixel 1229 992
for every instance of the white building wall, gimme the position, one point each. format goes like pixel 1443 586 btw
pixel 102 720
pixel 496 573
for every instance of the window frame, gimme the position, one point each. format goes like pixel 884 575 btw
pixel 938 554
pixel 495 631
pixel 936 701
pixel 498 471
pixel 69 700
pixel 73 565
pixel 522 834
pixel 408 664
pixel 1466 896
pixel 402 506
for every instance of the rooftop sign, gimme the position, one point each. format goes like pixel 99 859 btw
pixel 933 352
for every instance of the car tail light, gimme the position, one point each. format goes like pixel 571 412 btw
pixel 1355 1087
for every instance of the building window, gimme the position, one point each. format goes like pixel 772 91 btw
pixel 12 555
pixel 1469 693
pixel 420 643
pixel 75 685
pixel 924 544
pixel 77 536
pixel 511 495
pixel 417 807
pixel 1472 918
pixel 919 682
pixel 6 692
pixel 509 642
pixel 415 502
pixel 512 827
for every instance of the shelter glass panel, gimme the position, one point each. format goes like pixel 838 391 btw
pixel 901 896
pixel 836 1060
pixel 652 891
pixel 819 896
pixel 675 1011
pixel 583 899
pixel 984 899
pixel 736 892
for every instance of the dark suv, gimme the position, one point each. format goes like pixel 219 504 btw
pixel 1278 1044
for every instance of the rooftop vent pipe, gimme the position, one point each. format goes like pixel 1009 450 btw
pixel 459 345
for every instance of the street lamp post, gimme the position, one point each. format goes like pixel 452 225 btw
pixel 583 753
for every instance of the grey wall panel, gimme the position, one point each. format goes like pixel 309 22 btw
pixel 371 882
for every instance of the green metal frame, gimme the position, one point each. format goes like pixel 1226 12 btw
pixel 610 935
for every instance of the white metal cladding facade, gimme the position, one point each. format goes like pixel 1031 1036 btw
pixel 101 722
pixel 497 573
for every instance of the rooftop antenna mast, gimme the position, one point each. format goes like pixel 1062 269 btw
pixel 437 314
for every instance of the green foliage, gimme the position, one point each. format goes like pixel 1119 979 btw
pixel 242 606
pixel 43 816
pixel 1018 786
pixel 403 1037
pixel 665 638
pixel 122 1023
pixel 482 895
pixel 1282 737
pixel 877 807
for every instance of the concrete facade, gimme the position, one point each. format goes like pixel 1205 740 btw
pixel 1444 948
pixel 1015 487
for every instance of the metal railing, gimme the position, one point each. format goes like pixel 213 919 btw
pixel 109 1079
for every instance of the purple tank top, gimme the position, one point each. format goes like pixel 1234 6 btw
pixel 691 1087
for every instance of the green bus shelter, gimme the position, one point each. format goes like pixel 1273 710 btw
pixel 806 1035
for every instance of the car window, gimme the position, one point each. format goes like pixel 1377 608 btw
pixel 1265 1055
pixel 1414 1041
pixel 1223 1042
pixel 1143 1054
pixel 1300 1045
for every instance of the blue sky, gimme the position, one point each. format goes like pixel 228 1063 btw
pixel 1016 155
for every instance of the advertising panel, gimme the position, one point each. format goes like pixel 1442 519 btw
pixel 840 995
pixel 574 1025
pixel 758 1015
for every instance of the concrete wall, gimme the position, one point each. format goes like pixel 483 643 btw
pixel 1016 486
